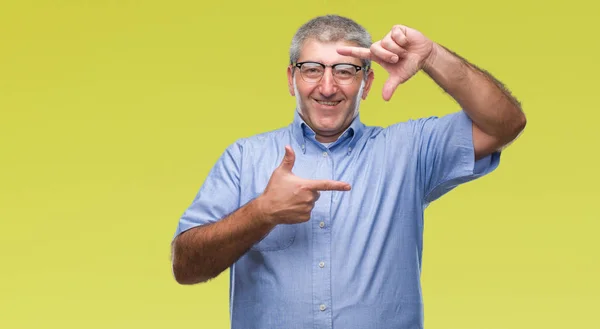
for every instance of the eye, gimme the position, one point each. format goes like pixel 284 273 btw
pixel 345 71
pixel 312 70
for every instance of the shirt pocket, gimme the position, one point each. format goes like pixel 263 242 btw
pixel 281 237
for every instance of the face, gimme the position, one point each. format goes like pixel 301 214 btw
pixel 326 106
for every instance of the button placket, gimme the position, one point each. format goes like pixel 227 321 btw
pixel 322 244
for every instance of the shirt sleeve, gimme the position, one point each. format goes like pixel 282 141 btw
pixel 446 154
pixel 219 195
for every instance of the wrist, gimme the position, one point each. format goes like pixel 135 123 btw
pixel 430 61
pixel 261 211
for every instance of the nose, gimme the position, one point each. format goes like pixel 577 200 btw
pixel 327 85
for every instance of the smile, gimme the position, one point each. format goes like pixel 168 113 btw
pixel 328 103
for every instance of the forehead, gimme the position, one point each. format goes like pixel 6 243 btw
pixel 325 52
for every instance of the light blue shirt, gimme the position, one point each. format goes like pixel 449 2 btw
pixel 356 263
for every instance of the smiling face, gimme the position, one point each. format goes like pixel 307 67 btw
pixel 326 106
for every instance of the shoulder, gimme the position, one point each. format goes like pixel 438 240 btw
pixel 429 125
pixel 261 142
pixel 260 139
pixel 411 124
pixel 404 130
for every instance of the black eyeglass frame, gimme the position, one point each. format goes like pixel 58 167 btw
pixel 324 66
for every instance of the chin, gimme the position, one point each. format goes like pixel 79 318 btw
pixel 331 129
pixel 329 124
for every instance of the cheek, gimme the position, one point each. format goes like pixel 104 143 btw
pixel 351 93
pixel 304 92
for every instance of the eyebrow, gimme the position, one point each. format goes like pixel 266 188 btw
pixel 338 63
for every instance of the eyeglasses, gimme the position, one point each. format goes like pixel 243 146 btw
pixel 343 73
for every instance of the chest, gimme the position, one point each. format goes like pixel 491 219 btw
pixel 384 182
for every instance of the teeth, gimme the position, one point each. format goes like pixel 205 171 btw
pixel 328 103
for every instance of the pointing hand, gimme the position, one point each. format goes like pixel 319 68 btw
pixel 289 199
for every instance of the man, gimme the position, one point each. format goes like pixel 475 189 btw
pixel 321 222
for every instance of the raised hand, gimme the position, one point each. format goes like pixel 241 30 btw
pixel 402 53
pixel 289 199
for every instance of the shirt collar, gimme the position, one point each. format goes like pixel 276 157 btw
pixel 302 132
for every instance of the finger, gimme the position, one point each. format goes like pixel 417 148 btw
pixel 398 34
pixel 390 86
pixel 358 52
pixel 381 54
pixel 388 43
pixel 288 159
pixel 327 185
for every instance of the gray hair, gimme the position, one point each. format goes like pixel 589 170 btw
pixel 330 28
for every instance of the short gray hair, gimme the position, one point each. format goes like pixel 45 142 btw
pixel 330 28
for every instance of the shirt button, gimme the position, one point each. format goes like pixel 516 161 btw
pixel 324 154
pixel 322 224
pixel 321 264
pixel 322 307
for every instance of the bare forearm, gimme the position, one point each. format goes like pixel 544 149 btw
pixel 204 252
pixel 485 100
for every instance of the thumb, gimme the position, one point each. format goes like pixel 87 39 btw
pixel 288 159
pixel 390 86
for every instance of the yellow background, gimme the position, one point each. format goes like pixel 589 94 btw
pixel 113 112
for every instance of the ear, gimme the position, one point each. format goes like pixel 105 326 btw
pixel 368 84
pixel 290 79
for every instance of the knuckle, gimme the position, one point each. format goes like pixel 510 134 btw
pixel 397 30
pixel 300 189
pixel 388 44
pixel 304 216
pixel 375 45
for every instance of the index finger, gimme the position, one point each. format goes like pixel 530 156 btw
pixel 327 185
pixel 358 52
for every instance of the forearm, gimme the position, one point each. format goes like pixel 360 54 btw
pixel 202 253
pixel 484 99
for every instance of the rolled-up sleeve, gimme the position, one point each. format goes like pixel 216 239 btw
pixel 446 154
pixel 219 195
